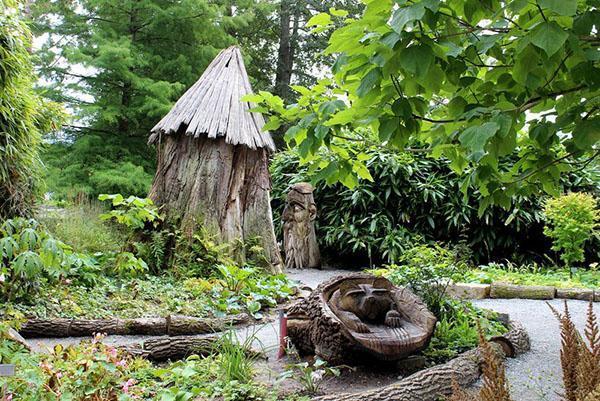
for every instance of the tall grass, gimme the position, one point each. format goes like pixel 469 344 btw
pixel 236 359
pixel 81 227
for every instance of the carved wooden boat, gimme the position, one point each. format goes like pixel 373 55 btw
pixel 313 325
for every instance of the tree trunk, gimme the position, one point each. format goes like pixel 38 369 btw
pixel 283 75
pixel 223 187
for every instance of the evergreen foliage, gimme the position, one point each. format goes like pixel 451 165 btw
pixel 24 117
pixel 120 66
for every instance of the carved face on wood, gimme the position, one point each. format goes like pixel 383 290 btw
pixel 369 302
pixel 298 217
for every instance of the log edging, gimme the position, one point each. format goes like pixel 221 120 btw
pixel 171 325
pixel 165 348
pixel 432 383
pixel 503 290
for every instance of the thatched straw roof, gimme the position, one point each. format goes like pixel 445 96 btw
pixel 213 106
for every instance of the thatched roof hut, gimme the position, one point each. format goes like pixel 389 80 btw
pixel 213 158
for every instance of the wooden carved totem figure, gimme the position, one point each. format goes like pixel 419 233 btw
pixel 299 238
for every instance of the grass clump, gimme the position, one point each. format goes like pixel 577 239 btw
pixel 81 228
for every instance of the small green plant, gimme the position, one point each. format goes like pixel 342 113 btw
pixel 428 270
pixel 199 255
pixel 309 375
pixel 127 265
pixel 570 221
pixel 133 212
pixel 457 330
pixel 235 358
pixel 30 256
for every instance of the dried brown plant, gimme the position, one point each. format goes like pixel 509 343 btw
pixel 495 386
pixel 580 356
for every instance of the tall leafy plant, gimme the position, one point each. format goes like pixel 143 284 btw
pixel 30 256
pixel 570 221
pixel 24 117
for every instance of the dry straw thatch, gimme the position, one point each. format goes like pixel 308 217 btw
pixel 213 107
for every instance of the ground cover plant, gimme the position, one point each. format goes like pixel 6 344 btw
pixel 535 275
pixel 43 277
pixel 92 371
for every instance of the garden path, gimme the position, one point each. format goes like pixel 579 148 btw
pixel 535 376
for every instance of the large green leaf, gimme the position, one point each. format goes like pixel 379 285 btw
pixel 404 15
pixel 417 59
pixel 475 138
pixel 369 82
pixel 587 133
pixel 561 7
pixel 549 37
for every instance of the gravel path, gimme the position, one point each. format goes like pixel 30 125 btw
pixel 535 376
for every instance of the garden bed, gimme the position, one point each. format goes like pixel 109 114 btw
pixel 151 297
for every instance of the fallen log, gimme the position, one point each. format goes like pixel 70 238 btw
pixel 435 382
pixel 173 348
pixel 170 325
pixel 179 325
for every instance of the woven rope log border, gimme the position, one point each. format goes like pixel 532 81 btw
pixel 430 384
pixel 172 325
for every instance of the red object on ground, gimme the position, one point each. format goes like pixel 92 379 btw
pixel 282 334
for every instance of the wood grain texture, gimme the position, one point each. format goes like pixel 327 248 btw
pixel 213 107
pixel 171 325
pixel 335 341
pixel 436 382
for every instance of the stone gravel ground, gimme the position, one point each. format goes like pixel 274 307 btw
pixel 535 376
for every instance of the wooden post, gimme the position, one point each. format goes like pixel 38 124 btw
pixel 299 237
pixel 282 334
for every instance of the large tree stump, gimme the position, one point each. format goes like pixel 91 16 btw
pixel 213 159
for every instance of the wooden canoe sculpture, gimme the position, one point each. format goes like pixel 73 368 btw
pixel 360 314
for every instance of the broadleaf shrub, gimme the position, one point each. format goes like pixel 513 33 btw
pixel 30 256
pixel 415 197
pixel 570 222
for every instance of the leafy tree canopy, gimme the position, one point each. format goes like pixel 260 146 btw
pixel 472 81
pixel 119 66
